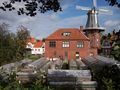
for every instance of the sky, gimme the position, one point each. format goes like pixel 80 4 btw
pixel 42 25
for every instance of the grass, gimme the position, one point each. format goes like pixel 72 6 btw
pixel 33 57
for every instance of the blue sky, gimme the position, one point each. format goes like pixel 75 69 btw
pixel 43 25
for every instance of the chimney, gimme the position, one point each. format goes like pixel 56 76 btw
pixel 81 28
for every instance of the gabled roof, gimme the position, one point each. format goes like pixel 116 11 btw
pixel 32 40
pixel 74 34
pixel 106 44
pixel 38 44
pixel 35 43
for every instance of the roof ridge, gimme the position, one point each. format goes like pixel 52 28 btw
pixel 84 34
pixel 75 34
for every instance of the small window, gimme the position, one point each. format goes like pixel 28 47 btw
pixel 66 34
pixel 80 44
pixel 77 55
pixel 65 44
pixel 52 44
pixel 29 46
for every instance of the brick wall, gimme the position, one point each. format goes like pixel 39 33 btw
pixel 59 51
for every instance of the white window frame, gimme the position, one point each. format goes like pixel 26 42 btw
pixel 65 44
pixel 80 44
pixel 66 33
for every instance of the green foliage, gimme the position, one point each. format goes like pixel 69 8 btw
pixel 108 77
pixel 116 50
pixel 108 83
pixel 113 37
pixel 12 46
pixel 21 41
pixel 33 57
pixel 12 84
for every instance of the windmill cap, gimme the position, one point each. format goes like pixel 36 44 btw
pixel 94 28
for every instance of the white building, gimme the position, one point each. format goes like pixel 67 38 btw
pixel 36 46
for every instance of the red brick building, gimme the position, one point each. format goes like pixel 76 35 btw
pixel 68 43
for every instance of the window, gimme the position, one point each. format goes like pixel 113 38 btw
pixel 77 55
pixel 65 44
pixel 66 55
pixel 66 34
pixel 80 44
pixel 29 46
pixel 52 44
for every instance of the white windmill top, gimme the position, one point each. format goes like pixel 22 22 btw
pixel 92 20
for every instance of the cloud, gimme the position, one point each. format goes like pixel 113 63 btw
pixel 108 21
pixel 44 24
pixel 65 4
pixel 54 17
pixel 111 23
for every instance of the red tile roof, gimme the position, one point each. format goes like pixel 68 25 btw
pixel 74 34
pixel 38 44
pixel 32 40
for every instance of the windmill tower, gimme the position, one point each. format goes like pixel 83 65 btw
pixel 92 28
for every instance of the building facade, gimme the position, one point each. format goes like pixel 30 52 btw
pixel 68 43
pixel 36 46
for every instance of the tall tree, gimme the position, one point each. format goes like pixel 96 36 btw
pixel 6 44
pixel 21 40
pixel 12 46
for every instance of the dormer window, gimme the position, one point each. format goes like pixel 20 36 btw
pixel 66 34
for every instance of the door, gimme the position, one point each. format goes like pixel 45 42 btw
pixel 77 55
pixel 66 55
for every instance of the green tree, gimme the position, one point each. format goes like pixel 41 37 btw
pixel 116 50
pixel 6 44
pixel 22 36
pixel 12 46
pixel 107 77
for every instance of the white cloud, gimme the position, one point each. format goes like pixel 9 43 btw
pixel 26 20
pixel 54 17
pixel 65 4
pixel 111 23
pixel 44 24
